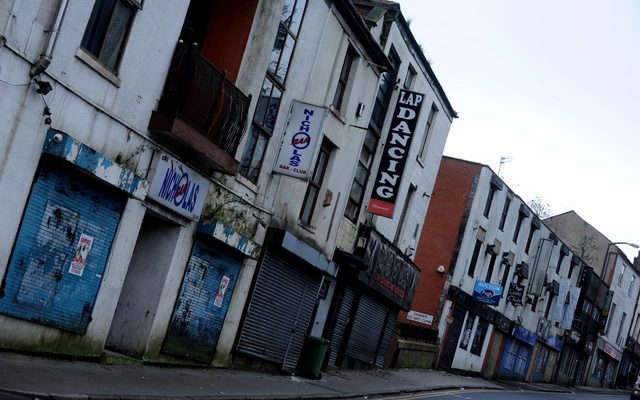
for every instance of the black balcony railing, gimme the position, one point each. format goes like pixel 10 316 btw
pixel 198 94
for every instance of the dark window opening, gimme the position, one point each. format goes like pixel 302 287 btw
pixel 487 206
pixel 311 196
pixel 478 338
pixel 108 29
pixel 343 79
pixel 516 232
pixel 505 211
pixel 474 258
pixel 532 231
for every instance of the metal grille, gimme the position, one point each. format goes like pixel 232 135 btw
pixel 341 323
pixel 392 317
pixel 368 327
pixel 451 341
pixel 203 302
pixel 280 311
pixel 64 241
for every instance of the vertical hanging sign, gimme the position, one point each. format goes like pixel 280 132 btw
pixel 396 151
pixel 301 139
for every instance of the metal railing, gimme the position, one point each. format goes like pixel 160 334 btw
pixel 200 94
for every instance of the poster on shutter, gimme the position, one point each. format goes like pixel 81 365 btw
pixel 222 289
pixel 80 256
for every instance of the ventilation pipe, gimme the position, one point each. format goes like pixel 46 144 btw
pixel 41 64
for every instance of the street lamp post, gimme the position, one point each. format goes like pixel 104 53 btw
pixel 606 257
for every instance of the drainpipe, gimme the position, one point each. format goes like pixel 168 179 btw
pixel 41 64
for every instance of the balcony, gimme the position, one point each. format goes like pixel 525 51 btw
pixel 202 114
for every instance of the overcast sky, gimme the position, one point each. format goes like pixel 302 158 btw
pixel 555 86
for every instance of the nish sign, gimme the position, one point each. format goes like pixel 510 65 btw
pixel 178 187
pixel 396 151
pixel 301 139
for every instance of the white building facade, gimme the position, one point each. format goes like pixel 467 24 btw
pixel 209 164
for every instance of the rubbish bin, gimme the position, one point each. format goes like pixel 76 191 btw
pixel 312 356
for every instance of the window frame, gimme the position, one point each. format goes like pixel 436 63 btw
pixel 107 20
pixel 505 213
pixel 422 154
pixel 314 184
pixel 344 78
pixel 258 125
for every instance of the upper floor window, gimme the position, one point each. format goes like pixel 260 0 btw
pixel 474 258
pixel 427 131
pixel 516 232
pixel 560 259
pixel 410 78
pixel 313 189
pixel 385 90
pixel 535 225
pixel 631 285
pixel 363 170
pixel 264 120
pixel 343 79
pixel 505 212
pixel 487 205
pixel 621 275
pixel 285 42
pixel 268 106
pixel 107 30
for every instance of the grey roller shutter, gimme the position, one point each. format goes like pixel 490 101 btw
pixel 387 335
pixel 367 330
pixel 279 310
pixel 341 323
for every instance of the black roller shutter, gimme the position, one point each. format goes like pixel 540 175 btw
pixel 451 341
pixel 279 310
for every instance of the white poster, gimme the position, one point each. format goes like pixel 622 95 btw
pixel 222 289
pixel 422 318
pixel 80 256
pixel 301 139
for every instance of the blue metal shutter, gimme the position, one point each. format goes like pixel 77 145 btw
pixel 197 319
pixel 63 207
pixel 341 323
pixel 368 327
pixel 280 310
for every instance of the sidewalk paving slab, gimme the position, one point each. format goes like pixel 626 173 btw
pixel 80 380
pixel 61 379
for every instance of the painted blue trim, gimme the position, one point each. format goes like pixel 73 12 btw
pixel 309 254
pixel 94 162
pixel 229 236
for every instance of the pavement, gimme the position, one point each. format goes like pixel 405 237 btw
pixel 49 378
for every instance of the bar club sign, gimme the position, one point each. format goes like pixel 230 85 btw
pixel 301 139
pixel 396 151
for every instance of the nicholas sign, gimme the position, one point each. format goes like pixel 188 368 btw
pixel 301 139
pixel 396 151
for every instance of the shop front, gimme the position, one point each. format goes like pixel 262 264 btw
pixel 574 358
pixel 545 357
pixel 64 242
pixel 629 366
pixel 285 296
pixel 604 364
pixel 374 283
pixel 517 354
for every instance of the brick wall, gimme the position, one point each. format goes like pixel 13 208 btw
pixel 440 233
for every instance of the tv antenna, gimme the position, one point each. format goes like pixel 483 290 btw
pixel 503 160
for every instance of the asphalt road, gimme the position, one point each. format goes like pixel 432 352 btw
pixel 505 395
